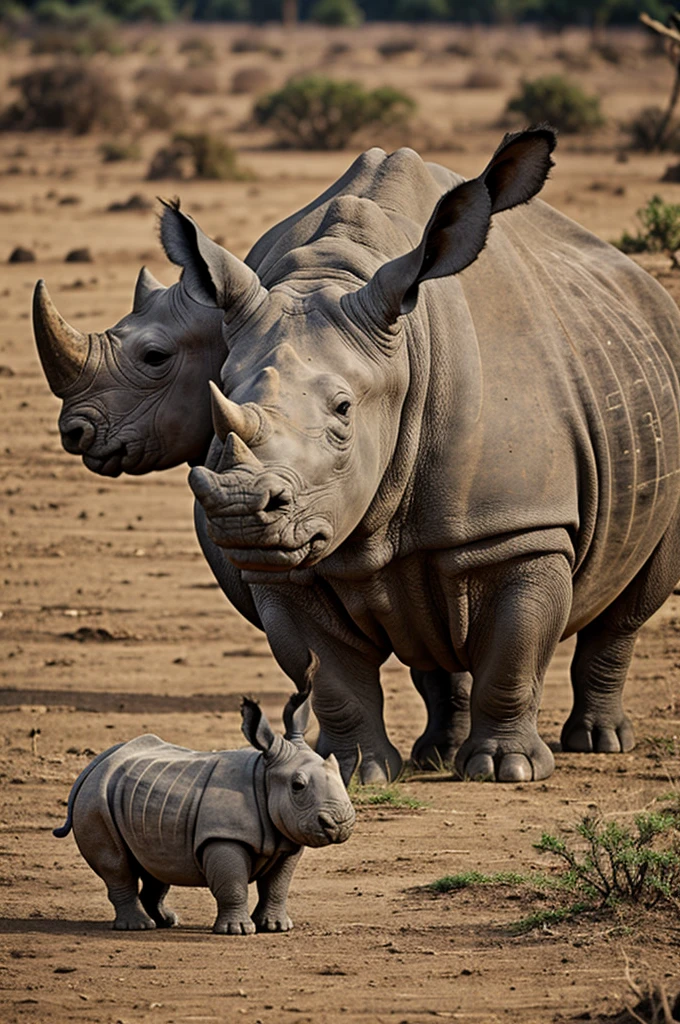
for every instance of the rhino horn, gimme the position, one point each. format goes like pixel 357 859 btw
pixel 63 350
pixel 230 417
pixel 236 453
pixel 145 286
pixel 268 384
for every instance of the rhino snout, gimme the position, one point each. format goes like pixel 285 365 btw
pixel 336 831
pixel 77 434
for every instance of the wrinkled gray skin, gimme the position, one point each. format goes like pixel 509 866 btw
pixel 151 811
pixel 462 466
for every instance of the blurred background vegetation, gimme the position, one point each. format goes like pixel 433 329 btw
pixel 551 13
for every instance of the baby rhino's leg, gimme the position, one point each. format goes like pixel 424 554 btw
pixel 227 867
pixel 270 914
pixel 104 850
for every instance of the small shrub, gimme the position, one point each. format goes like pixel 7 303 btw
pixel 483 78
pixel 612 862
pixel 465 879
pixel 198 46
pixel 156 111
pixel 199 155
pixel 659 229
pixel 194 81
pixel 80 30
pixel 66 97
pixel 114 151
pixel 337 12
pixel 554 99
pixel 249 44
pixel 253 79
pixel 396 47
pixel 320 113
pixel 646 132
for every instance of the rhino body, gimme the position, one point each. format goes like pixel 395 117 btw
pixel 500 471
pixel 172 816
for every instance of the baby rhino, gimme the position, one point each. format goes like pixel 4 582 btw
pixel 153 811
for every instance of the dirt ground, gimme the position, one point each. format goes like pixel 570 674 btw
pixel 112 626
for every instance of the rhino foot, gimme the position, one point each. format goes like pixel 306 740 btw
pixel 367 765
pixel 233 926
pixel 165 918
pixel 132 918
pixel 587 735
pixel 435 750
pixel 273 923
pixel 496 760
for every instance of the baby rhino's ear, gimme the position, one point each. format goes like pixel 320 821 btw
pixel 255 726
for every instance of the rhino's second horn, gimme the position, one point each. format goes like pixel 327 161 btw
pixel 63 349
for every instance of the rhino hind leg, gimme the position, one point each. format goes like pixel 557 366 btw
pixel 447 699
pixel 518 614
pixel 604 650
pixel 152 899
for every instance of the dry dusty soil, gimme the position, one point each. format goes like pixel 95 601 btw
pixel 112 626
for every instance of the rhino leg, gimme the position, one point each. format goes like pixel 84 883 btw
pixel 347 696
pixel 152 896
pixel 227 868
pixel 447 699
pixel 518 613
pixel 604 650
pixel 270 914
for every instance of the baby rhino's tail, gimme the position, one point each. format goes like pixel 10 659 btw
pixel 64 829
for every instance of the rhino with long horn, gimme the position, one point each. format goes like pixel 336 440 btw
pixel 472 452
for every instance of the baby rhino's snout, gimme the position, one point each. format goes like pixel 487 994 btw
pixel 337 829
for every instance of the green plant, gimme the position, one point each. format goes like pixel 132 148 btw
pixel 612 862
pixel 465 879
pixel 320 113
pixel 381 796
pixel 659 232
pixel 114 150
pixel 554 99
pixel 337 12
pixel 72 97
pixel 199 155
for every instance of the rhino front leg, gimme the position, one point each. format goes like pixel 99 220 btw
pixel 347 696
pixel 270 914
pixel 518 614
pixel 447 699
pixel 227 867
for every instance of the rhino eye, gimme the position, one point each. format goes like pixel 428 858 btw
pixel 155 357
pixel 343 408
pixel 298 783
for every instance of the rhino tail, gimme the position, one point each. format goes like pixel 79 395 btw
pixel 64 829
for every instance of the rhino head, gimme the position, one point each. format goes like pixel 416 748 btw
pixel 306 797
pixel 318 369
pixel 135 397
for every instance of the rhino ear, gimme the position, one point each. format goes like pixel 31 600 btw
pixel 456 232
pixel 255 726
pixel 210 274
pixel 146 285
pixel 296 711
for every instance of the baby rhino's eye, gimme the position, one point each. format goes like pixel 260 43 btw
pixel 343 408
pixel 298 783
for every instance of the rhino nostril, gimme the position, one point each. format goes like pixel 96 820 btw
pixel 277 502
pixel 77 435
pixel 74 436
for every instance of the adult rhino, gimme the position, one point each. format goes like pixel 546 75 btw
pixel 461 466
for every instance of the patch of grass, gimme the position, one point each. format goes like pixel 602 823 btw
pixel 659 229
pixel 539 918
pixel 465 879
pixel 383 796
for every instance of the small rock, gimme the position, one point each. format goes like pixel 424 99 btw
pixel 21 255
pixel 79 256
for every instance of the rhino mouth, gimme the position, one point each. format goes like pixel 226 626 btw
pixel 123 459
pixel 336 831
pixel 272 558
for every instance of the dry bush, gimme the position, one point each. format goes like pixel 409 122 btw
pixel 460 48
pixel 193 81
pixel 396 47
pixel 66 97
pixel 483 78
pixel 252 79
pixel 116 150
pixel 198 47
pixel 646 131
pixel 157 111
pixel 199 155
pixel 255 43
